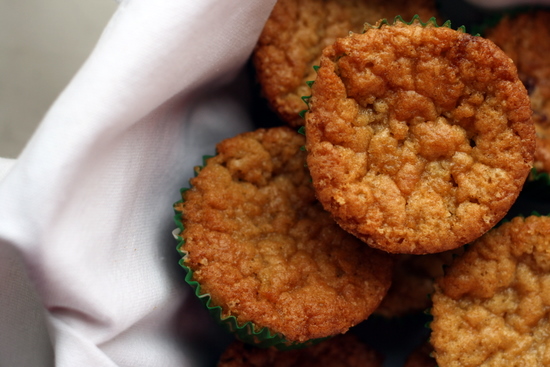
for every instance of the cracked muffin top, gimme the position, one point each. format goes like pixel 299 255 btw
pixel 296 33
pixel 340 351
pixel 526 39
pixel 262 246
pixel 492 306
pixel 419 137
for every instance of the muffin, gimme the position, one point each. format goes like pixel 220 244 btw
pixel 491 307
pixel 296 33
pixel 263 250
pixel 525 37
pixel 413 283
pixel 340 351
pixel 419 137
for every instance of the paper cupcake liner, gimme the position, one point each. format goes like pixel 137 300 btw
pixel 247 332
pixel 432 22
pixel 540 177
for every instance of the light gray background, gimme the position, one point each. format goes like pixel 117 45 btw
pixel 42 45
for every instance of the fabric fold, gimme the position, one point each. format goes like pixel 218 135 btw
pixel 88 204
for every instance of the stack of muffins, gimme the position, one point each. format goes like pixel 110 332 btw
pixel 415 140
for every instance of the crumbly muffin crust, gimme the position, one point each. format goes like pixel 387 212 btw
pixel 264 249
pixel 526 39
pixel 296 33
pixel 492 306
pixel 339 351
pixel 419 138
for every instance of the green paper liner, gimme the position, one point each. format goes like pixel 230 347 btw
pixel 415 19
pixel 541 177
pixel 247 332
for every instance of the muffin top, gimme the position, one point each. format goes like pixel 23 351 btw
pixel 491 307
pixel 526 39
pixel 263 248
pixel 339 351
pixel 419 137
pixel 296 33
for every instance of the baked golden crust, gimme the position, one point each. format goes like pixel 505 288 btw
pixel 296 33
pixel 413 283
pixel 264 249
pixel 339 351
pixel 419 138
pixel 491 307
pixel 526 39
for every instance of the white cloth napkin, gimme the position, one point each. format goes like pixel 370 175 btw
pixel 88 265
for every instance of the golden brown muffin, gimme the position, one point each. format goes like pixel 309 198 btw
pixel 419 138
pixel 526 39
pixel 298 30
pixel 413 283
pixel 491 308
pixel 265 250
pixel 421 357
pixel 339 351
